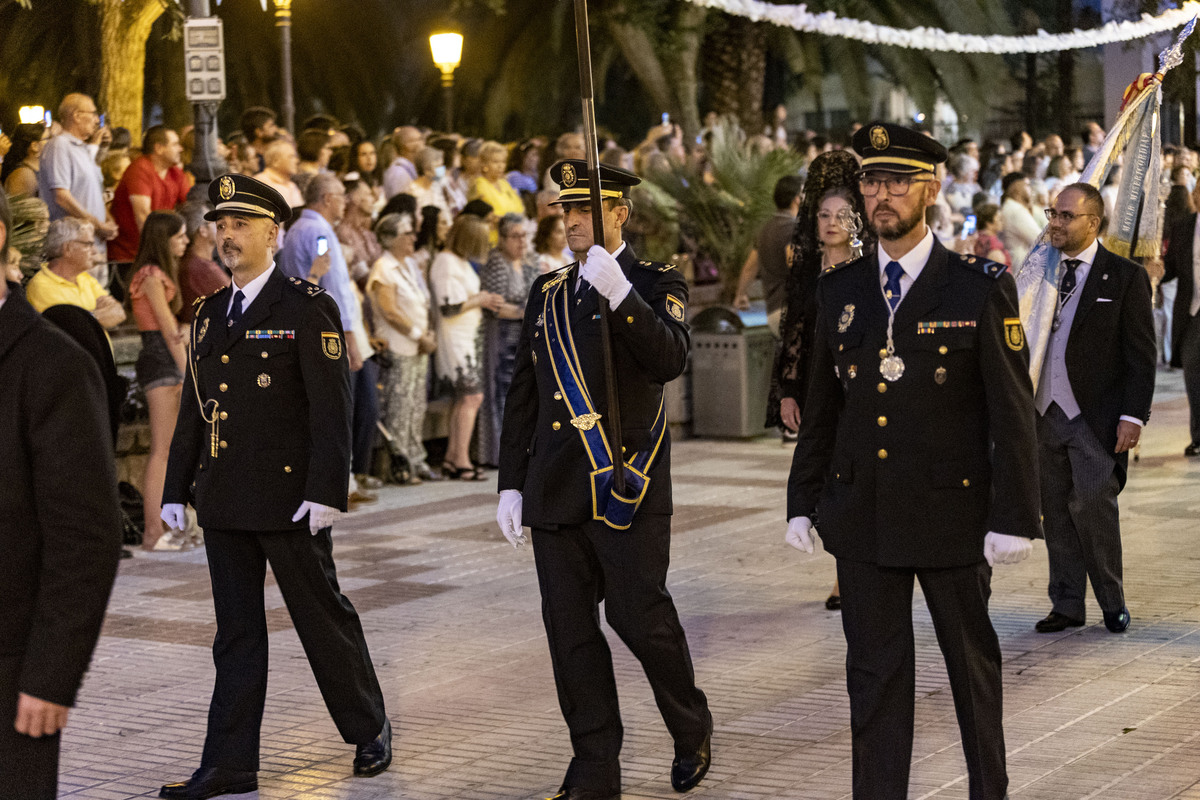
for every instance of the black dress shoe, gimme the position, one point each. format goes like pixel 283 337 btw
pixel 210 782
pixel 373 758
pixel 1117 622
pixel 833 602
pixel 689 770
pixel 1192 450
pixel 575 793
pixel 1055 622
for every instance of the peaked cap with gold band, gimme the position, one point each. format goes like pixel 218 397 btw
pixel 572 176
pixel 241 194
pixel 885 147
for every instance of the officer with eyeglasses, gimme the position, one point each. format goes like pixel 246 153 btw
pixel 915 459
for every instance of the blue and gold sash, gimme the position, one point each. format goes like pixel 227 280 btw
pixel 614 509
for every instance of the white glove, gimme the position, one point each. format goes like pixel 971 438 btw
pixel 173 515
pixel 603 272
pixel 508 516
pixel 800 534
pixel 319 516
pixel 1000 548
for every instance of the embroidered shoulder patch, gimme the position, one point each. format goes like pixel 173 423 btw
pixel 331 345
pixel 1014 334
pixel 675 307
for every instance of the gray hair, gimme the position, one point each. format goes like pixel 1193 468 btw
pixel 64 231
pixel 508 222
pixel 320 185
pixel 426 160
pixel 193 213
pixel 388 228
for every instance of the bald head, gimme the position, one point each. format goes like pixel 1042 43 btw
pixel 77 113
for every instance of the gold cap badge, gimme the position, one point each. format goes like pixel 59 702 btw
pixel 226 188
pixel 568 176
pixel 879 138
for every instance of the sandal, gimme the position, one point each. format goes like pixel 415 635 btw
pixel 455 473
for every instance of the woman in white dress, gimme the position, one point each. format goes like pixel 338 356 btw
pixel 458 302
pixel 400 305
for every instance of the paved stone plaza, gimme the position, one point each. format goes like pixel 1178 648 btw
pixel 452 617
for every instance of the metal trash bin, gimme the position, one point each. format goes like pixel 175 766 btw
pixel 732 357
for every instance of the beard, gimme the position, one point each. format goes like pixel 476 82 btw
pixel 898 227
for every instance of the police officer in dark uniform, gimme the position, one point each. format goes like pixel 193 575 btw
pixel 916 458
pixel 591 544
pixel 263 435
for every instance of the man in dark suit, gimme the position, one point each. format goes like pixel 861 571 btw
pixel 589 543
pixel 264 434
pixel 1182 262
pixel 915 452
pixel 60 536
pixel 1093 397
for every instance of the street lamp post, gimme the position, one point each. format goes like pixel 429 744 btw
pixel 447 54
pixel 283 21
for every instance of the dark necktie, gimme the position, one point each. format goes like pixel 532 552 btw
pixel 235 311
pixel 891 289
pixel 1067 284
pixel 581 289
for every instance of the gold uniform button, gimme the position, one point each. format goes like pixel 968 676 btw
pixel 883 453
pixel 224 359
pixel 629 320
pixel 224 387
pixel 966 482
pixel 224 415
pixel 882 388
pixel 882 422
pixel 556 425
pixel 558 395
pixel 287 469
pixel 883 353
pixel 943 349
pixel 223 444
pixel 264 353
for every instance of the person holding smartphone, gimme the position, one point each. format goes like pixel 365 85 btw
pixel 69 181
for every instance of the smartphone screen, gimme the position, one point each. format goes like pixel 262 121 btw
pixel 666 118
pixel 103 119
pixel 968 225
pixel 322 245
pixel 48 119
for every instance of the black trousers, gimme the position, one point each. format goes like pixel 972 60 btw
pixel 324 618
pixel 881 673
pixel 28 766
pixel 577 567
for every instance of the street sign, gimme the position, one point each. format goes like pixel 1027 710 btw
pixel 204 59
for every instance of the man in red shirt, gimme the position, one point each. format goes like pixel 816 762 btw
pixel 155 181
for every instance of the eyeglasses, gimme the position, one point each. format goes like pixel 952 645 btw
pixel 1066 216
pixel 897 185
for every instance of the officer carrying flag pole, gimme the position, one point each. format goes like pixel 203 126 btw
pixel 584 47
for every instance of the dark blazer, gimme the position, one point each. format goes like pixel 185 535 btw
pixel 283 406
pixel 1178 264
pixel 914 473
pixel 1111 350
pixel 541 454
pixel 60 535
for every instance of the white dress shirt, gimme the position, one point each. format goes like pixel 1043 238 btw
pixel 250 291
pixel 911 262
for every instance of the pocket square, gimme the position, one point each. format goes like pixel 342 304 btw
pixel 1104 299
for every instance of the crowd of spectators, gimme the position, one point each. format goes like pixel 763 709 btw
pixel 427 241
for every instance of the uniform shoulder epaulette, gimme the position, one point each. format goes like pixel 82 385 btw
pixel 310 289
pixel 980 264
pixel 835 267
pixel 657 266
pixel 196 303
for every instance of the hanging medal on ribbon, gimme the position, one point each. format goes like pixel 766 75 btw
pixel 891 366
